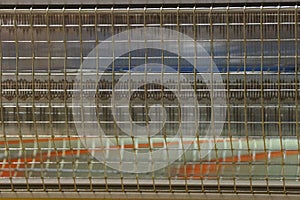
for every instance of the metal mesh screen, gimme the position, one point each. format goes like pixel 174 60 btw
pixel 254 49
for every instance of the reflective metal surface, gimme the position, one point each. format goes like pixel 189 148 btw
pixel 255 49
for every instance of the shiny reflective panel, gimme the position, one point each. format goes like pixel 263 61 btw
pixel 255 51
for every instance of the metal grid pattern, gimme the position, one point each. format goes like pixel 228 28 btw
pixel 255 49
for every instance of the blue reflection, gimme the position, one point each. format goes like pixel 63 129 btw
pixel 159 57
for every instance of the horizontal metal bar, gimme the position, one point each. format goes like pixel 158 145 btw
pixel 149 9
pixel 131 2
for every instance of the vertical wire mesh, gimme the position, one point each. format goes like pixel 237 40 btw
pixel 255 49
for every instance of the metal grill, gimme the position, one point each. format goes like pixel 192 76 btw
pixel 255 50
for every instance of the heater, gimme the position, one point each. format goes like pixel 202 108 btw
pixel 149 99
